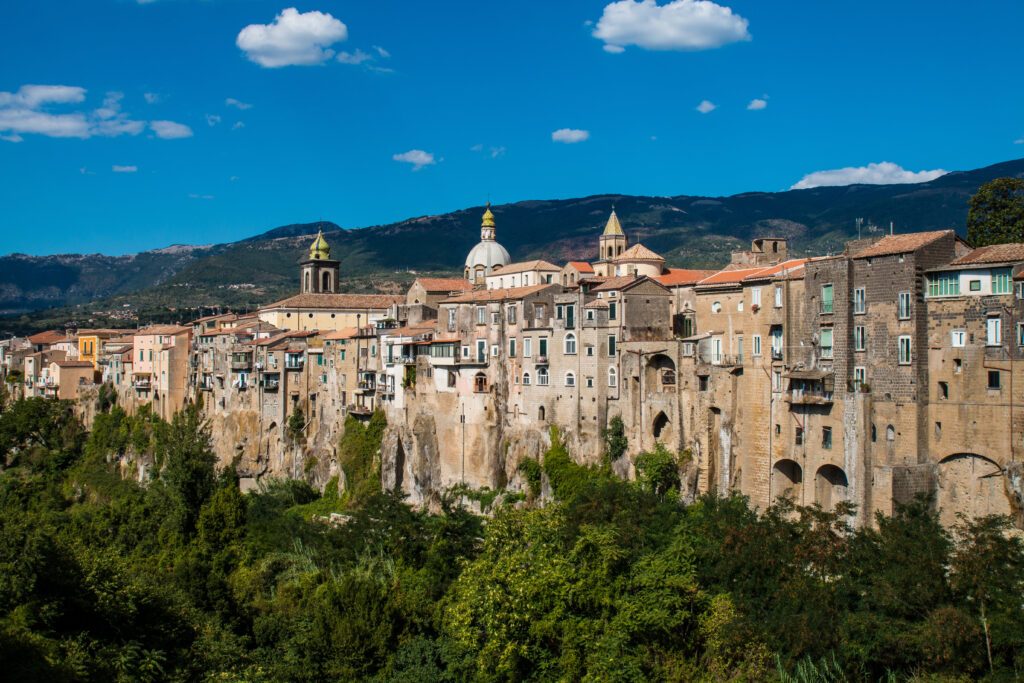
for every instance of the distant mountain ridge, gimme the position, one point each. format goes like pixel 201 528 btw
pixel 687 230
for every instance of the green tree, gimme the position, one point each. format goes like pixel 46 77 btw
pixel 658 471
pixel 996 213
pixel 615 441
pixel 187 459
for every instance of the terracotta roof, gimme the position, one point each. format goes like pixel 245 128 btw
pixel 729 276
pixel 995 253
pixel 902 244
pixel 484 295
pixel 581 266
pixel 614 283
pixel 683 276
pixel 770 272
pixel 445 284
pixel 73 363
pixel 162 329
pixel 338 301
pixel 219 316
pixel 597 303
pixel 345 333
pixel 523 267
pixel 48 337
pixel 105 333
pixel 638 252
pixel 411 330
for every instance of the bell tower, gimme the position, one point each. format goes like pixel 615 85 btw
pixel 319 272
pixel 613 241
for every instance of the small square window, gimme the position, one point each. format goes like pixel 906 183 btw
pixel 994 379
pixel 702 382
pixel 799 436
pixel 958 365
pixel 938 431
pixel 974 285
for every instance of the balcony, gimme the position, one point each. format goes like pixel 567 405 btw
pixel 808 398
pixel 141 385
pixel 294 365
pixel 365 387
pixel 541 360
pixel 271 385
pixel 721 359
pixel 239 365
pixel 776 354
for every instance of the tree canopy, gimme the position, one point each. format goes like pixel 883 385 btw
pixel 996 213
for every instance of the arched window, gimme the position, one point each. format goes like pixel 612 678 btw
pixel 570 379
pixel 613 377
pixel 542 376
pixel 540 413
pixel 305 285
pixel 716 307
pixel 526 378
pixel 668 377
pixel 570 344
pixel 890 433
pixel 480 383
pixel 325 282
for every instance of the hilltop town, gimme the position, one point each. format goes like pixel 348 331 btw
pixel 868 376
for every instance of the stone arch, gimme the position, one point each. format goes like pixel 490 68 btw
pixel 830 486
pixel 787 478
pixel 480 383
pixel 972 485
pixel 541 413
pixel 660 425
pixel 325 281
pixel 305 281
pixel 660 373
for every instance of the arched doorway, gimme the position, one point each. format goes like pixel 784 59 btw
pixel 830 485
pixel 660 424
pixel 660 373
pixel 787 478
pixel 972 485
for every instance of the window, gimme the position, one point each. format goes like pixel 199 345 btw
pixel 526 378
pixel 993 331
pixel 798 438
pixel 451 319
pixel 755 297
pixel 559 312
pixel 481 315
pixel 944 390
pixel 613 310
pixel 613 377
pixel 527 347
pixel 776 332
pixel 778 296
pixel 542 376
pixel 590 382
pixel 903 306
pixel 716 307
pixel 993 380
pixel 777 380
pixel 860 301
pixel 825 338
pixel 495 318
pixel 570 379
pixel 538 311
pixel 944 284
pixel 958 366
pixel 826 438
pixel 826 299
pixel 590 350
pixel 542 347
pixel 860 338
pixel 702 382
pixel 512 347
pixel 481 350
pixel 590 314
pixel 957 338
pixel 1020 334
pixel 904 349
pixel 570 344
pixel 739 305
pixel 757 345
pixel 611 345
pixel 739 349
pixel 510 315
pixel 1001 281
pixel 890 433
pixel 938 431
pixel 874 433
pixel 465 352
pixel 860 377
pixel 495 350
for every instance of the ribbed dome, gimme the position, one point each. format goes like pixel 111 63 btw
pixel 488 254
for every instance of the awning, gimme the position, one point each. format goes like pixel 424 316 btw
pixel 816 375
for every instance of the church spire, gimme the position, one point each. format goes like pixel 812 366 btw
pixel 320 250
pixel 487 231
pixel 613 227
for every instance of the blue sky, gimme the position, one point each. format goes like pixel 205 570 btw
pixel 436 106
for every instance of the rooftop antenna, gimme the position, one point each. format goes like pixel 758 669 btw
pixel 890 227
pixel 860 222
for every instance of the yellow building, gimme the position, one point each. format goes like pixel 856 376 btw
pixel 91 343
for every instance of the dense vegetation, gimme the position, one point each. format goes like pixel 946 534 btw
pixel 185 578
pixel 996 213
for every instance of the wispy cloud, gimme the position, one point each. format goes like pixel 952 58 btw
pixel 238 124
pixel 570 136
pixel 493 152
pixel 237 104
pixel 293 39
pixel 151 97
pixel 194 195
pixel 356 57
pixel 124 169
pixel 706 106
pixel 170 130
pixel 758 104
pixel 212 120
pixel 417 157
pixel 679 25
pixel 883 173
pixel 30 111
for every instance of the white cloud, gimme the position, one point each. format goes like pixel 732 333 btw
pixel 757 104
pixel 212 120
pixel 1019 141
pixel 476 148
pixel 706 106
pixel 170 130
pixel 679 25
pixel 27 111
pixel 497 152
pixel 238 124
pixel 357 57
pixel 237 104
pixel 417 157
pixel 151 97
pixel 293 39
pixel 193 195
pixel 13 137
pixel 124 169
pixel 883 173
pixel 570 135
pixel 381 52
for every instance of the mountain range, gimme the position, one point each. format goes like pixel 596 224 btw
pixel 688 230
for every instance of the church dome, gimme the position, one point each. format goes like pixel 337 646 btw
pixel 488 253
